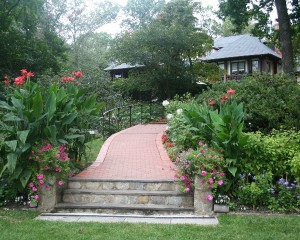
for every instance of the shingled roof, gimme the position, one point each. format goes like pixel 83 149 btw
pixel 239 46
pixel 122 66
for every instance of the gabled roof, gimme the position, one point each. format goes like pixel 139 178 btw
pixel 239 46
pixel 122 66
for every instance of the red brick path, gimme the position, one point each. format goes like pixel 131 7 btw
pixel 134 153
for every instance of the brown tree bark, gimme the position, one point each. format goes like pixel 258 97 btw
pixel 285 36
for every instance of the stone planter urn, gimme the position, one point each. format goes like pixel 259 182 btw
pixel 202 206
pixel 49 198
pixel 218 208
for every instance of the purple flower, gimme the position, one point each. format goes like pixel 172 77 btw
pixel 187 189
pixel 182 178
pixel 203 173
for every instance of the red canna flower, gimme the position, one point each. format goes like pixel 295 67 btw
pixel 20 80
pixel 211 102
pixel 23 72
pixel 230 91
pixel 78 74
pixel 30 74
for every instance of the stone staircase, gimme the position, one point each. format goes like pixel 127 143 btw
pixel 113 196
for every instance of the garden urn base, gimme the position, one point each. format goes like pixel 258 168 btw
pixel 202 206
pixel 221 208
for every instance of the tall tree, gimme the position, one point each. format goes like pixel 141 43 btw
pixel 82 21
pixel 24 42
pixel 241 11
pixel 140 13
pixel 166 47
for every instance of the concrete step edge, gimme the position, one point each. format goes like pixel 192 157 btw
pixel 81 179
pixel 122 206
pixel 126 192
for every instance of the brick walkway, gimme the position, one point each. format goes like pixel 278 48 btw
pixel 134 153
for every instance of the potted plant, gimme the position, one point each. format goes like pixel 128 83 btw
pixel 221 203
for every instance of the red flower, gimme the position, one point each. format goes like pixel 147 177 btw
pixel 164 138
pixel 211 102
pixel 67 79
pixel 23 72
pixel 169 144
pixel 78 74
pixel 20 80
pixel 30 74
pixel 230 91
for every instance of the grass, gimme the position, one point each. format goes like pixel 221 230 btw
pixel 17 224
pixel 92 149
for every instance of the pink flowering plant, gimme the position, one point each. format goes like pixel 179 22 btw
pixel 50 166
pixel 205 162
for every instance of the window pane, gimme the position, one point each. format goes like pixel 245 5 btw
pixel 221 65
pixel 255 66
pixel 234 68
pixel 241 67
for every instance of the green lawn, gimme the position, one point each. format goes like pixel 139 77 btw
pixel 19 225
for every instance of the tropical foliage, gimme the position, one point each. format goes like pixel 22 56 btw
pixel 32 114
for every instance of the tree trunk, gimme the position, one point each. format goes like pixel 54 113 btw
pixel 285 36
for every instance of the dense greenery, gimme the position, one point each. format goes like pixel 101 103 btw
pixel 32 114
pixel 269 101
pixel 166 46
pixel 262 168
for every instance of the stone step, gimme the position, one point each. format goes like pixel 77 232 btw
pixel 127 197
pixel 142 209
pixel 121 184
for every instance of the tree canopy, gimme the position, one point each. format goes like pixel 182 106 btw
pixel 166 46
pixel 241 12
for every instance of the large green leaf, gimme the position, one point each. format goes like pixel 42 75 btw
pixel 232 170
pixel 11 117
pixel 5 105
pixel 37 105
pixel 51 105
pixel 25 176
pixel 12 145
pixel 17 103
pixel 51 133
pixel 12 161
pixel 22 135
pixel 69 118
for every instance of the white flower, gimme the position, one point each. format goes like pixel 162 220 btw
pixel 165 103
pixel 167 128
pixel 92 132
pixel 179 111
pixel 169 116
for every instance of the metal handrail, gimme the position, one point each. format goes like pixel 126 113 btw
pixel 118 118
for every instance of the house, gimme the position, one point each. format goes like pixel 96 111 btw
pixel 121 71
pixel 243 54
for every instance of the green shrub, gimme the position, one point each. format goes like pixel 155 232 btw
pixel 269 101
pixel 277 152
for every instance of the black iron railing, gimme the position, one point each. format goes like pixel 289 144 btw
pixel 119 118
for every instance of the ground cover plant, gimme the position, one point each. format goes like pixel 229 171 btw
pixel 261 168
pixel 16 224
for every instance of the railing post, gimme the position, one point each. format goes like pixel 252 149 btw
pixel 150 111
pixel 141 113
pixel 130 107
pixel 118 122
